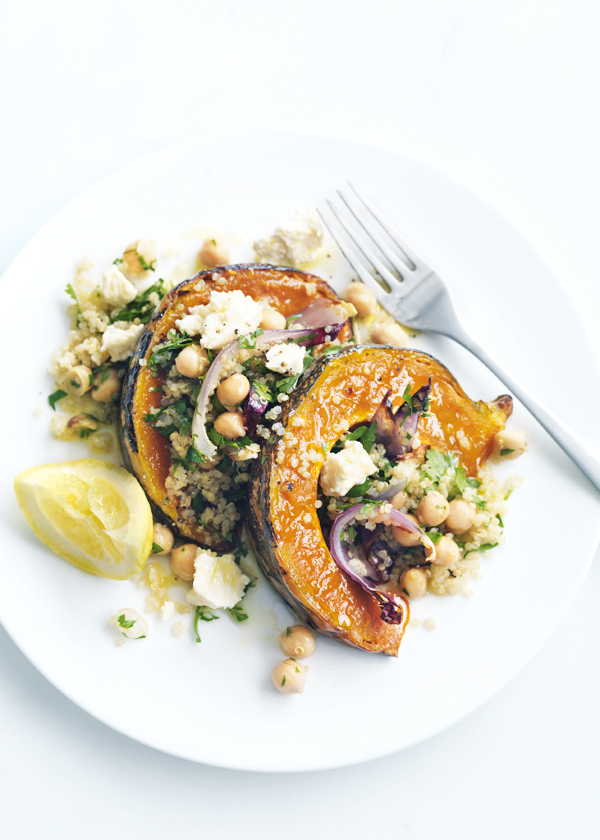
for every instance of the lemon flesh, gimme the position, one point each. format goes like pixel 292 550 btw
pixel 93 513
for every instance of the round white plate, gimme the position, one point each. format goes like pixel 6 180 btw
pixel 214 702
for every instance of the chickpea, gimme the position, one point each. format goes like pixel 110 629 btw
pixel 192 361
pixel 509 444
pixel 362 298
pixel 107 385
pixel 230 424
pixel 446 552
pixel 289 677
pixel 406 538
pixel 182 561
pixel 414 581
pixel 139 257
pixel 162 537
pixel 272 319
pixel 233 390
pixel 433 508
pixel 78 380
pixel 460 516
pixel 214 252
pixel 389 333
pixel 297 641
pixel 399 500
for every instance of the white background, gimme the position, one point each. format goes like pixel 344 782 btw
pixel 504 96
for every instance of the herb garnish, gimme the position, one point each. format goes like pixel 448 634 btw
pixel 141 307
pixel 238 613
pixel 156 549
pixel 248 342
pixel 506 451
pixel 162 356
pixel 483 547
pixel 55 397
pixel 203 614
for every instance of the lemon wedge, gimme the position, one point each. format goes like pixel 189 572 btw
pixel 92 513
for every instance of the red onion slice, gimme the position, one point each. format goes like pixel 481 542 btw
pixel 392 609
pixel 321 313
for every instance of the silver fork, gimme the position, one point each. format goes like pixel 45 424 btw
pixel 419 298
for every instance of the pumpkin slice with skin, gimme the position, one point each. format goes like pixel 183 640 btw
pixel 145 451
pixel 283 522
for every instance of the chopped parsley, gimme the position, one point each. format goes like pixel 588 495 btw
pixel 506 452
pixel 156 549
pixel 288 632
pixel 238 613
pixel 203 614
pixel 71 292
pixel 283 682
pixel 162 355
pixel 248 342
pixel 499 518
pixel 55 397
pixel 126 624
pixel 141 307
pixel 483 547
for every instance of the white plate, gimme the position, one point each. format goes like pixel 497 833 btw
pixel 214 702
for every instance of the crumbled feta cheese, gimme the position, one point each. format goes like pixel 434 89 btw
pixel 219 583
pixel 344 470
pixel 286 358
pixel 294 242
pixel 167 610
pixel 227 316
pixel 116 288
pixel 120 341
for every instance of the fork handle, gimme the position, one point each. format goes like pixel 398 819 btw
pixel 577 450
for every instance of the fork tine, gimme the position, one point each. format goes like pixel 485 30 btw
pixel 403 265
pixel 365 275
pixel 397 239
pixel 392 281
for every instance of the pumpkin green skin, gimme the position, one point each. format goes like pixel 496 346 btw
pixel 293 555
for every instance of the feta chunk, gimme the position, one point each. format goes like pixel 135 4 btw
pixel 120 341
pixel 219 583
pixel 344 470
pixel 294 242
pixel 167 610
pixel 116 288
pixel 227 316
pixel 286 358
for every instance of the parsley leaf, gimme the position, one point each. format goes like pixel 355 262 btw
pixel 156 549
pixel 126 624
pixel 71 292
pixel 162 355
pixel 506 452
pixel 359 489
pixel 499 518
pixel 483 547
pixel 203 614
pixel 238 613
pixel 248 342
pixel 462 481
pixel 141 307
pixel 55 397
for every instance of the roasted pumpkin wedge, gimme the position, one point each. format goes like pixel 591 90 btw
pixel 145 451
pixel 283 521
